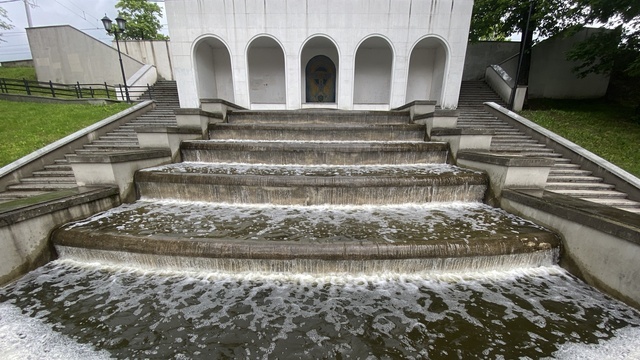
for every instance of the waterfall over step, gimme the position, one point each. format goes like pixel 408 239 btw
pixel 311 192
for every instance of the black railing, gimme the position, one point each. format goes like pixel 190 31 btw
pixel 77 90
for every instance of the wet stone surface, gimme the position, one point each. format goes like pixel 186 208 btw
pixel 423 170
pixel 407 223
pixel 71 310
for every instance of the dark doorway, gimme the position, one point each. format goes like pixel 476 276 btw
pixel 320 75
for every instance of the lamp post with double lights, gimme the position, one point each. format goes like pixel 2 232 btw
pixel 121 25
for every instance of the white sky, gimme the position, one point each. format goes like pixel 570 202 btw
pixel 84 15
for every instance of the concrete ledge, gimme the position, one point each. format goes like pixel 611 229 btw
pixel 601 244
pixel 196 118
pixel 219 106
pixel 438 119
pixel 418 107
pixel 507 171
pixel 462 139
pixel 25 225
pixel 116 168
pixel 167 138
pixel 587 160
pixel 25 166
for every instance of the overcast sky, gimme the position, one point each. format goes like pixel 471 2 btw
pixel 81 14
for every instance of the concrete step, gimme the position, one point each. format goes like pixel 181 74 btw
pixel 574 179
pixel 318 117
pixel 315 153
pixel 552 186
pixel 48 180
pixel 318 132
pixel 41 186
pixel 614 202
pixel 58 167
pixel 568 172
pixel 586 193
pixel 128 146
pixel 17 194
pixel 52 173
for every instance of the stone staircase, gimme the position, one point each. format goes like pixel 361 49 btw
pixel 564 177
pixel 59 175
pixel 311 191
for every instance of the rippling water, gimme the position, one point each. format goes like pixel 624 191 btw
pixel 68 309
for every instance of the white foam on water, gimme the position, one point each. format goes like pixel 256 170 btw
pixel 23 337
pixel 624 346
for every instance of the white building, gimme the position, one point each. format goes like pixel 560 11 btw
pixel 292 54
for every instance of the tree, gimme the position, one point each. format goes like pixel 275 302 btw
pixel 622 45
pixel 493 18
pixel 4 19
pixel 143 21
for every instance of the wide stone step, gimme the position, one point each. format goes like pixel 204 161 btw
pixel 309 132
pixel 113 146
pixel 281 238
pixel 58 167
pixel 311 185
pixel 315 153
pixel 318 117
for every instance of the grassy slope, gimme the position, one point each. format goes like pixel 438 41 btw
pixel 28 73
pixel 26 127
pixel 604 128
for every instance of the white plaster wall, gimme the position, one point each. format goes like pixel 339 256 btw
pixel 154 52
pixel 420 75
pixel 266 75
pixel 372 83
pixel 207 87
pixel 292 22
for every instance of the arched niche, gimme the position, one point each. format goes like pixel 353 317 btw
pixel 319 61
pixel 267 81
pixel 372 73
pixel 213 70
pixel 427 65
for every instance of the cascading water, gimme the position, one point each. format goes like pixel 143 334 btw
pixel 322 258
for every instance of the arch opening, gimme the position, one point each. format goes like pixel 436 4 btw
pixel 267 81
pixel 319 71
pixel 213 70
pixel 372 74
pixel 427 65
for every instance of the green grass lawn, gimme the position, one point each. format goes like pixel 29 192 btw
pixel 26 127
pixel 24 72
pixel 604 128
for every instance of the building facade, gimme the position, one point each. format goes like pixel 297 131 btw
pixel 345 54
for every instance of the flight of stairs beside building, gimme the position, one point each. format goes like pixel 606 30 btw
pixel 59 176
pixel 564 178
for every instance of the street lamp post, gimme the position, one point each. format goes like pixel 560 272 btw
pixel 122 23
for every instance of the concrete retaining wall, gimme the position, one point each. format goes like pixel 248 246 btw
pixel 25 228
pixel 485 53
pixel 601 244
pixel 66 55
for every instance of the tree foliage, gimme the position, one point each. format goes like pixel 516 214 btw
pixel 4 22
pixel 143 20
pixel 495 18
